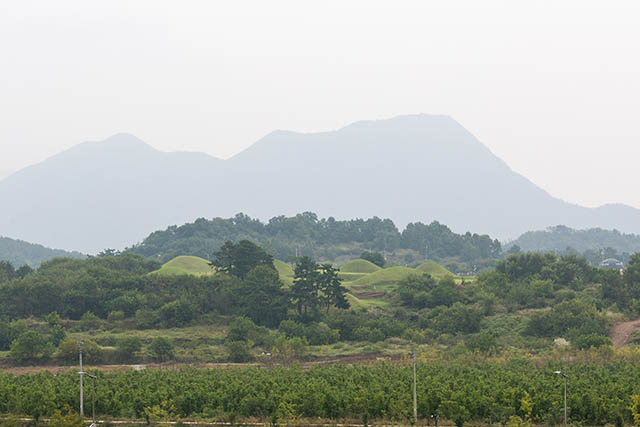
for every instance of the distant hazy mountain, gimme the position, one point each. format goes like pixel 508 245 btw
pixel 411 168
pixel 560 238
pixel 19 253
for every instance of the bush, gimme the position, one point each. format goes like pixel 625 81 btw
pixel 366 333
pixel 161 349
pixel 320 334
pixel 568 319
pixel 240 329
pixel 68 351
pixel 57 335
pixel 291 328
pixel 52 318
pixel 287 349
pixel 590 340
pixel 127 348
pixel 146 319
pixel 456 319
pixel 239 351
pixel 89 321
pixel 484 342
pixel 177 313
pixel 115 316
pixel 30 346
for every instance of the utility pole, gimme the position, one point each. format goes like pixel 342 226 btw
pixel 81 375
pixel 93 398
pixel 415 394
pixel 565 376
pixel 565 400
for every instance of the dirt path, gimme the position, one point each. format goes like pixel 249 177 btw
pixel 621 332
pixel 56 369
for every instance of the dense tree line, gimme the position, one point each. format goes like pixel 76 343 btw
pixel 601 243
pixel 567 297
pixel 110 288
pixel 306 234
pixel 516 391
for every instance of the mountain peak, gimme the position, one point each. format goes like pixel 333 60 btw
pixel 119 141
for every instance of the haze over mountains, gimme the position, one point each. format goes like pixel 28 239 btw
pixel 113 193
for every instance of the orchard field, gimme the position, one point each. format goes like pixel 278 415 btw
pixel 467 390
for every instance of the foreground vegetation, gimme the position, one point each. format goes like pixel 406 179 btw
pixel 514 390
pixel 128 309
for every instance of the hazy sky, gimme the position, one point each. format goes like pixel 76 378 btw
pixel 552 87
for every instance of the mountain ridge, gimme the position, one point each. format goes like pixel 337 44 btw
pixel 112 193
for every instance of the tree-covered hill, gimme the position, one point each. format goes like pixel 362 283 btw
pixel 19 253
pixel 326 239
pixel 559 238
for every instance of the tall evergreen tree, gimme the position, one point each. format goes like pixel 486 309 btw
pixel 304 291
pixel 238 259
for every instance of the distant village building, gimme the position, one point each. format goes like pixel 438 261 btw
pixel 612 263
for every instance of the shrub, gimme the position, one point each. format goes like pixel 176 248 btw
pixel 115 316
pixel 57 335
pixel 366 333
pixel 68 351
pixel 239 351
pixel 161 349
pixel 146 319
pixel 320 333
pixel 52 318
pixel 286 349
pixel 177 313
pixel 89 321
pixel 484 342
pixel 127 348
pixel 590 340
pixel 30 346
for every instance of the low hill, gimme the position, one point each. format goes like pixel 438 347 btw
pixel 383 277
pixel 434 269
pixel 19 253
pixel 185 265
pixel 193 265
pixel 359 266
pixel 319 238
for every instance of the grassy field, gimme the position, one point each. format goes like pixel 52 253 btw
pixel 185 265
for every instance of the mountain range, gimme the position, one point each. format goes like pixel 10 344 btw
pixel 112 193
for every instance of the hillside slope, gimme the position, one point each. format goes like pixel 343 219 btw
pixel 410 168
pixel 19 253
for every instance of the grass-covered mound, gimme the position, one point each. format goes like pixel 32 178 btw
pixel 351 277
pixel 434 269
pixel 185 265
pixel 359 266
pixel 285 271
pixel 382 279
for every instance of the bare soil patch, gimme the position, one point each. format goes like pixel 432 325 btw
pixel 621 332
